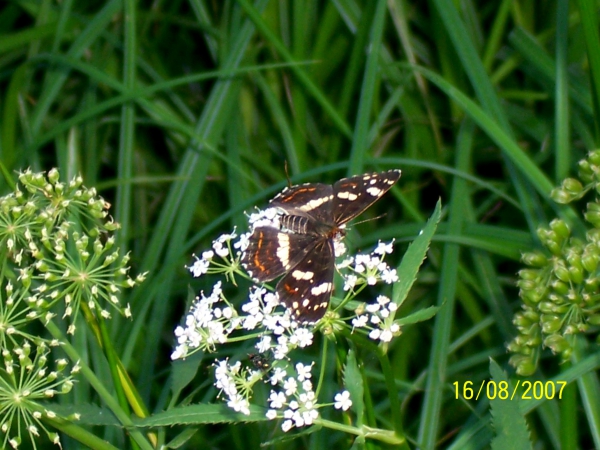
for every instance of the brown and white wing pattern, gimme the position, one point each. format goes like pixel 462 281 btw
pixel 306 289
pixel 271 252
pixel 351 196
pixel 300 244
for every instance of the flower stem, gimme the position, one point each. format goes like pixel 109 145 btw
pixel 368 432
pixel 102 391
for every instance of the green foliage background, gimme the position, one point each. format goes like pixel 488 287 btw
pixel 184 114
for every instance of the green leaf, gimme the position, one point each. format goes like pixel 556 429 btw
pixel 201 414
pixel 507 418
pixel 419 316
pixel 287 437
pixel 184 371
pixel 353 381
pixel 414 257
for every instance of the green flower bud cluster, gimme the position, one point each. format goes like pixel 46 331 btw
pixel 59 258
pixel 560 286
pixel 59 236
pixel 45 208
pixel 589 179
pixel 27 384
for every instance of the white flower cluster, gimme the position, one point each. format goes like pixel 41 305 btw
pixel 369 268
pixel 296 402
pixel 379 319
pixel 235 382
pixel 285 335
pixel 222 248
pixel 206 325
pixel 212 320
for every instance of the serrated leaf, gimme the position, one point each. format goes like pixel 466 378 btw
pixel 507 419
pixel 419 316
pixel 414 257
pixel 353 381
pixel 201 414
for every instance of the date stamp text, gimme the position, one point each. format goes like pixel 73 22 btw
pixel 523 390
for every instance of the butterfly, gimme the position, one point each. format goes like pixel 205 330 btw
pixel 300 244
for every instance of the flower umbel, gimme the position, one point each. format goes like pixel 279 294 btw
pixel 370 268
pixel 59 234
pixel 18 308
pixel 221 259
pixel 27 381
pixel 93 274
pixel 378 318
pixel 208 323
pixel 57 249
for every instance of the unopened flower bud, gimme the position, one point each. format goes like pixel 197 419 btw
pixel 560 228
pixel 556 343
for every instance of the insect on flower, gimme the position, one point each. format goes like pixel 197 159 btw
pixel 299 243
pixel 260 362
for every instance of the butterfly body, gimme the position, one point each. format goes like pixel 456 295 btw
pixel 300 245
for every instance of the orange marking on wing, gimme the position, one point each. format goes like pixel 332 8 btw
pixel 257 262
pixel 299 191
pixel 289 289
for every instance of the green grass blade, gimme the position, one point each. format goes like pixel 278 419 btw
pixel 432 403
pixel 365 105
pixel 562 149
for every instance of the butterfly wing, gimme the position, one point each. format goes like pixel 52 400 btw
pixel 271 252
pixel 306 289
pixel 306 200
pixel 351 196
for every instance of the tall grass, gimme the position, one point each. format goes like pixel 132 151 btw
pixel 185 115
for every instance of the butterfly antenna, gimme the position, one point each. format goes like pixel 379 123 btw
pixel 368 220
pixel 287 175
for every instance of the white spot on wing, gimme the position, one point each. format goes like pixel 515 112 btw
pixel 321 289
pixel 315 203
pixel 299 275
pixel 283 249
pixel 374 191
pixel 347 195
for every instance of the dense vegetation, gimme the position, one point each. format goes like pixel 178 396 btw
pixel 186 115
